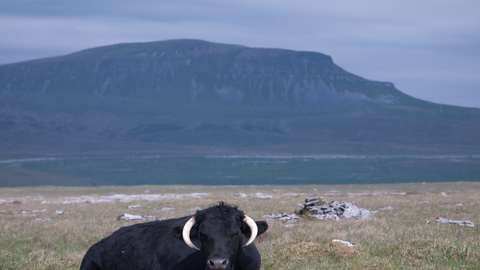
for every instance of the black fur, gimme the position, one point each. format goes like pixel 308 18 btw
pixel 219 232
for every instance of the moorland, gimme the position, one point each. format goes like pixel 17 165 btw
pixel 34 237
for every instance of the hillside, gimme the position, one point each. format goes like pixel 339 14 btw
pixel 192 93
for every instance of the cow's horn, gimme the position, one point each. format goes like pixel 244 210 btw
pixel 186 233
pixel 253 228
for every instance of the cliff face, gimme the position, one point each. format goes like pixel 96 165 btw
pixel 191 92
pixel 189 70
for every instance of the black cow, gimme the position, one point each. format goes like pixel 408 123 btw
pixel 219 237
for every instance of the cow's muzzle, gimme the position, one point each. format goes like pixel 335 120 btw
pixel 217 264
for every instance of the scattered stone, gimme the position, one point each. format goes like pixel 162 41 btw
pixel 162 209
pixel 323 210
pixel 59 213
pixel 386 208
pixel 444 194
pixel 289 225
pixel 133 206
pixel 42 220
pixel 343 242
pixel 38 211
pixel 126 198
pixel 241 195
pixel 325 217
pixel 459 204
pixel 319 208
pixel 262 196
pixel 462 223
pixel 195 209
pixel 149 217
pixel 282 216
pixel 291 194
pixel 129 217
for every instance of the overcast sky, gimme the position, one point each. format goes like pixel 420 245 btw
pixel 429 49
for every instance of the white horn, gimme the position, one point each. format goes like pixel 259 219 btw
pixel 186 233
pixel 253 228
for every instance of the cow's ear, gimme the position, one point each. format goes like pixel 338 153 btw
pixel 262 226
pixel 177 232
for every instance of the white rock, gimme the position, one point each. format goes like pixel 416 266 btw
pixel 260 195
pixel 133 206
pixel 129 217
pixel 162 209
pixel 386 208
pixel 241 195
pixel 466 223
pixel 42 220
pixel 59 212
pixel 343 242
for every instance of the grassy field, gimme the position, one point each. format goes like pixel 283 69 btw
pixel 33 237
pixel 244 170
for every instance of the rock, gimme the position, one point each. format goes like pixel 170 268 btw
pixel 348 244
pixel 325 217
pixel 133 206
pixel 149 217
pixel 162 209
pixel 260 195
pixel 282 217
pixel 59 213
pixel 129 217
pixel 42 220
pixel 195 209
pixel 462 223
pixel 241 195
pixel 321 209
pixel 386 208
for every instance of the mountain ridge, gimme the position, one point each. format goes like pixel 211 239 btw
pixel 198 93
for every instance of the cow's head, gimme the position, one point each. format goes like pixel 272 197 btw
pixel 222 231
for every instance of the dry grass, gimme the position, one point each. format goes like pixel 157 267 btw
pixel 391 239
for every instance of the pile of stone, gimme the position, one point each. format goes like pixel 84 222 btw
pixel 319 208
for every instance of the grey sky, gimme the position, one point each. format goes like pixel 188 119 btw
pixel 429 49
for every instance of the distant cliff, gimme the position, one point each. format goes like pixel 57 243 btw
pixel 192 92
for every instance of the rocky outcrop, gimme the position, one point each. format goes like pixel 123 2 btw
pixel 321 209
pixel 318 208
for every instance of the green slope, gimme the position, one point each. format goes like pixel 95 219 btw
pixel 196 94
pixel 18 177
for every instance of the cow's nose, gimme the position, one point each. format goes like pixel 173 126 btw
pixel 217 264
